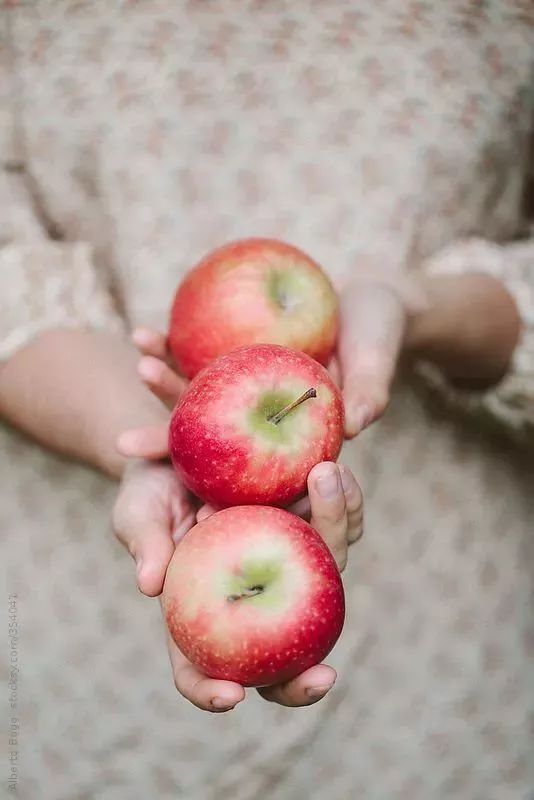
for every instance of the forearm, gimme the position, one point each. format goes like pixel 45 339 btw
pixel 75 391
pixel 469 328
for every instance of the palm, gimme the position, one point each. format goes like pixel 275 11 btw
pixel 162 500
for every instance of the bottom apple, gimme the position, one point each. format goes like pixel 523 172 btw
pixel 253 595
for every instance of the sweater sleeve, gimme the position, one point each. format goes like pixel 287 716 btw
pixel 45 283
pixel 510 404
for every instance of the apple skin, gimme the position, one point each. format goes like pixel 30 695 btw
pixel 254 290
pixel 222 444
pixel 263 637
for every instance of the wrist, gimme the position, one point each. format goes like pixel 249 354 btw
pixel 426 321
pixel 469 328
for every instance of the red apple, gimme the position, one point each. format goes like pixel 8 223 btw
pixel 255 290
pixel 253 595
pixel 253 423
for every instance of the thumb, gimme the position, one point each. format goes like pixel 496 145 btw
pixel 373 320
pixel 152 551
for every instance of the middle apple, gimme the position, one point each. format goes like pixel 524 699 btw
pixel 253 423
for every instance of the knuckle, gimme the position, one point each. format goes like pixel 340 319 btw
pixel 341 560
pixel 336 541
pixel 333 514
pixel 355 510
pixel 354 524
pixel 355 505
pixel 355 534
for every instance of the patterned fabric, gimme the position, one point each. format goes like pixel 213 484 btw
pixel 146 133
pixel 47 284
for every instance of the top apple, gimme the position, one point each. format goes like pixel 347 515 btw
pixel 248 292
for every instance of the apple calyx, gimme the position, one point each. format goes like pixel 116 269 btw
pixel 276 418
pixel 251 591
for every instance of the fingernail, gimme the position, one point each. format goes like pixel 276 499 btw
pixel 221 704
pixel 318 691
pixel 363 417
pixel 347 480
pixel 139 567
pixel 328 485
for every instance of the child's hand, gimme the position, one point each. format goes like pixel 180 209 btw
pixel 375 312
pixel 213 695
pixel 333 506
pixel 152 512
pixel 467 325
pixel 334 500
pixel 155 370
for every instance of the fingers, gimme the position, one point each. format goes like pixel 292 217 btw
pixel 328 508
pixel 354 504
pixel 152 548
pixel 151 443
pixel 365 402
pixel 161 380
pixel 150 343
pixel 205 693
pixel 336 507
pixel 218 696
pixel 304 690
pixel 154 369
pixel 373 321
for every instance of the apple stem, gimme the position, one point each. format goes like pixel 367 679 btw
pixel 275 419
pixel 252 592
